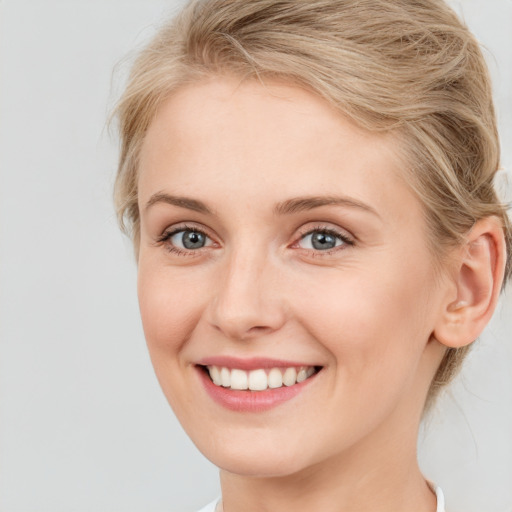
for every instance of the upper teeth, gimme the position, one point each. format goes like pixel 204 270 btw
pixel 258 380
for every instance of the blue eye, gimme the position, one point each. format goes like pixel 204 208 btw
pixel 188 239
pixel 322 240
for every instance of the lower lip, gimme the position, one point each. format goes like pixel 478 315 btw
pixel 251 401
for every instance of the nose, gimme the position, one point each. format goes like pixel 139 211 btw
pixel 248 302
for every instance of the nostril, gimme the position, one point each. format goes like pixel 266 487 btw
pixel 258 328
pixel 256 331
pixel 241 317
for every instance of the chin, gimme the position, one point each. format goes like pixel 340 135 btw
pixel 257 468
pixel 255 460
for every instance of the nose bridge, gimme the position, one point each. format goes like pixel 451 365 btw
pixel 246 303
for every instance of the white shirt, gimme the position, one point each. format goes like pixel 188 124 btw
pixel 438 491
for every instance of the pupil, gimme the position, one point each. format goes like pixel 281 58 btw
pixel 193 240
pixel 323 241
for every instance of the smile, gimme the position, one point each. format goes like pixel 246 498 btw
pixel 254 385
pixel 259 379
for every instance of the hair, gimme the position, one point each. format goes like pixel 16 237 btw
pixel 409 67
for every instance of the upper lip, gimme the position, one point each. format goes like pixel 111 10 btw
pixel 252 363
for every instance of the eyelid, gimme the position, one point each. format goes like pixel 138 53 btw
pixel 346 238
pixel 169 232
pixel 176 228
pixel 342 234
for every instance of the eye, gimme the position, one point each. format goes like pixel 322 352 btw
pixel 183 239
pixel 323 240
pixel 188 239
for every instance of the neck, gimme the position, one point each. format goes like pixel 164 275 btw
pixel 334 486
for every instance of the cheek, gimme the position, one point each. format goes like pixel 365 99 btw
pixel 169 306
pixel 373 323
pixel 375 332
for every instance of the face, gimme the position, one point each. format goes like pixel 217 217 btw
pixel 286 289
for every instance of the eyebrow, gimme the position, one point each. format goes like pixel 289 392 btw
pixel 180 201
pixel 290 206
pixel 301 204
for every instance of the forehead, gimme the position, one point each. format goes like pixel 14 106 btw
pixel 264 141
pixel 213 108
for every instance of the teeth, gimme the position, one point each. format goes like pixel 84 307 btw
pixel 225 377
pixel 215 375
pixel 275 378
pixel 290 377
pixel 302 375
pixel 238 379
pixel 259 380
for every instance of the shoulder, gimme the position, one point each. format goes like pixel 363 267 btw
pixel 210 507
pixel 440 499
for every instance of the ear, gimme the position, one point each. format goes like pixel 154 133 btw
pixel 478 276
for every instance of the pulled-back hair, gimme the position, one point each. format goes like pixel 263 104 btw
pixel 405 66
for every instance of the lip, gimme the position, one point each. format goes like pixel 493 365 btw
pixel 253 363
pixel 250 401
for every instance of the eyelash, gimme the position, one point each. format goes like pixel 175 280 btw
pixel 345 239
pixel 166 237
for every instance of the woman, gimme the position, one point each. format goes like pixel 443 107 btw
pixel 309 188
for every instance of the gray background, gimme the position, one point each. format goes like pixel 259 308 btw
pixel 83 424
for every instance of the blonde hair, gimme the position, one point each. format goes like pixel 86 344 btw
pixel 389 65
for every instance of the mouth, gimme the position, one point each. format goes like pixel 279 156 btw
pixel 254 385
pixel 258 379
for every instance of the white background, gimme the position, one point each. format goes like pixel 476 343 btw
pixel 83 424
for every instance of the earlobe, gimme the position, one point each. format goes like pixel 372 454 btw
pixel 478 278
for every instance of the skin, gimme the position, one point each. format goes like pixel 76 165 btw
pixel 365 311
